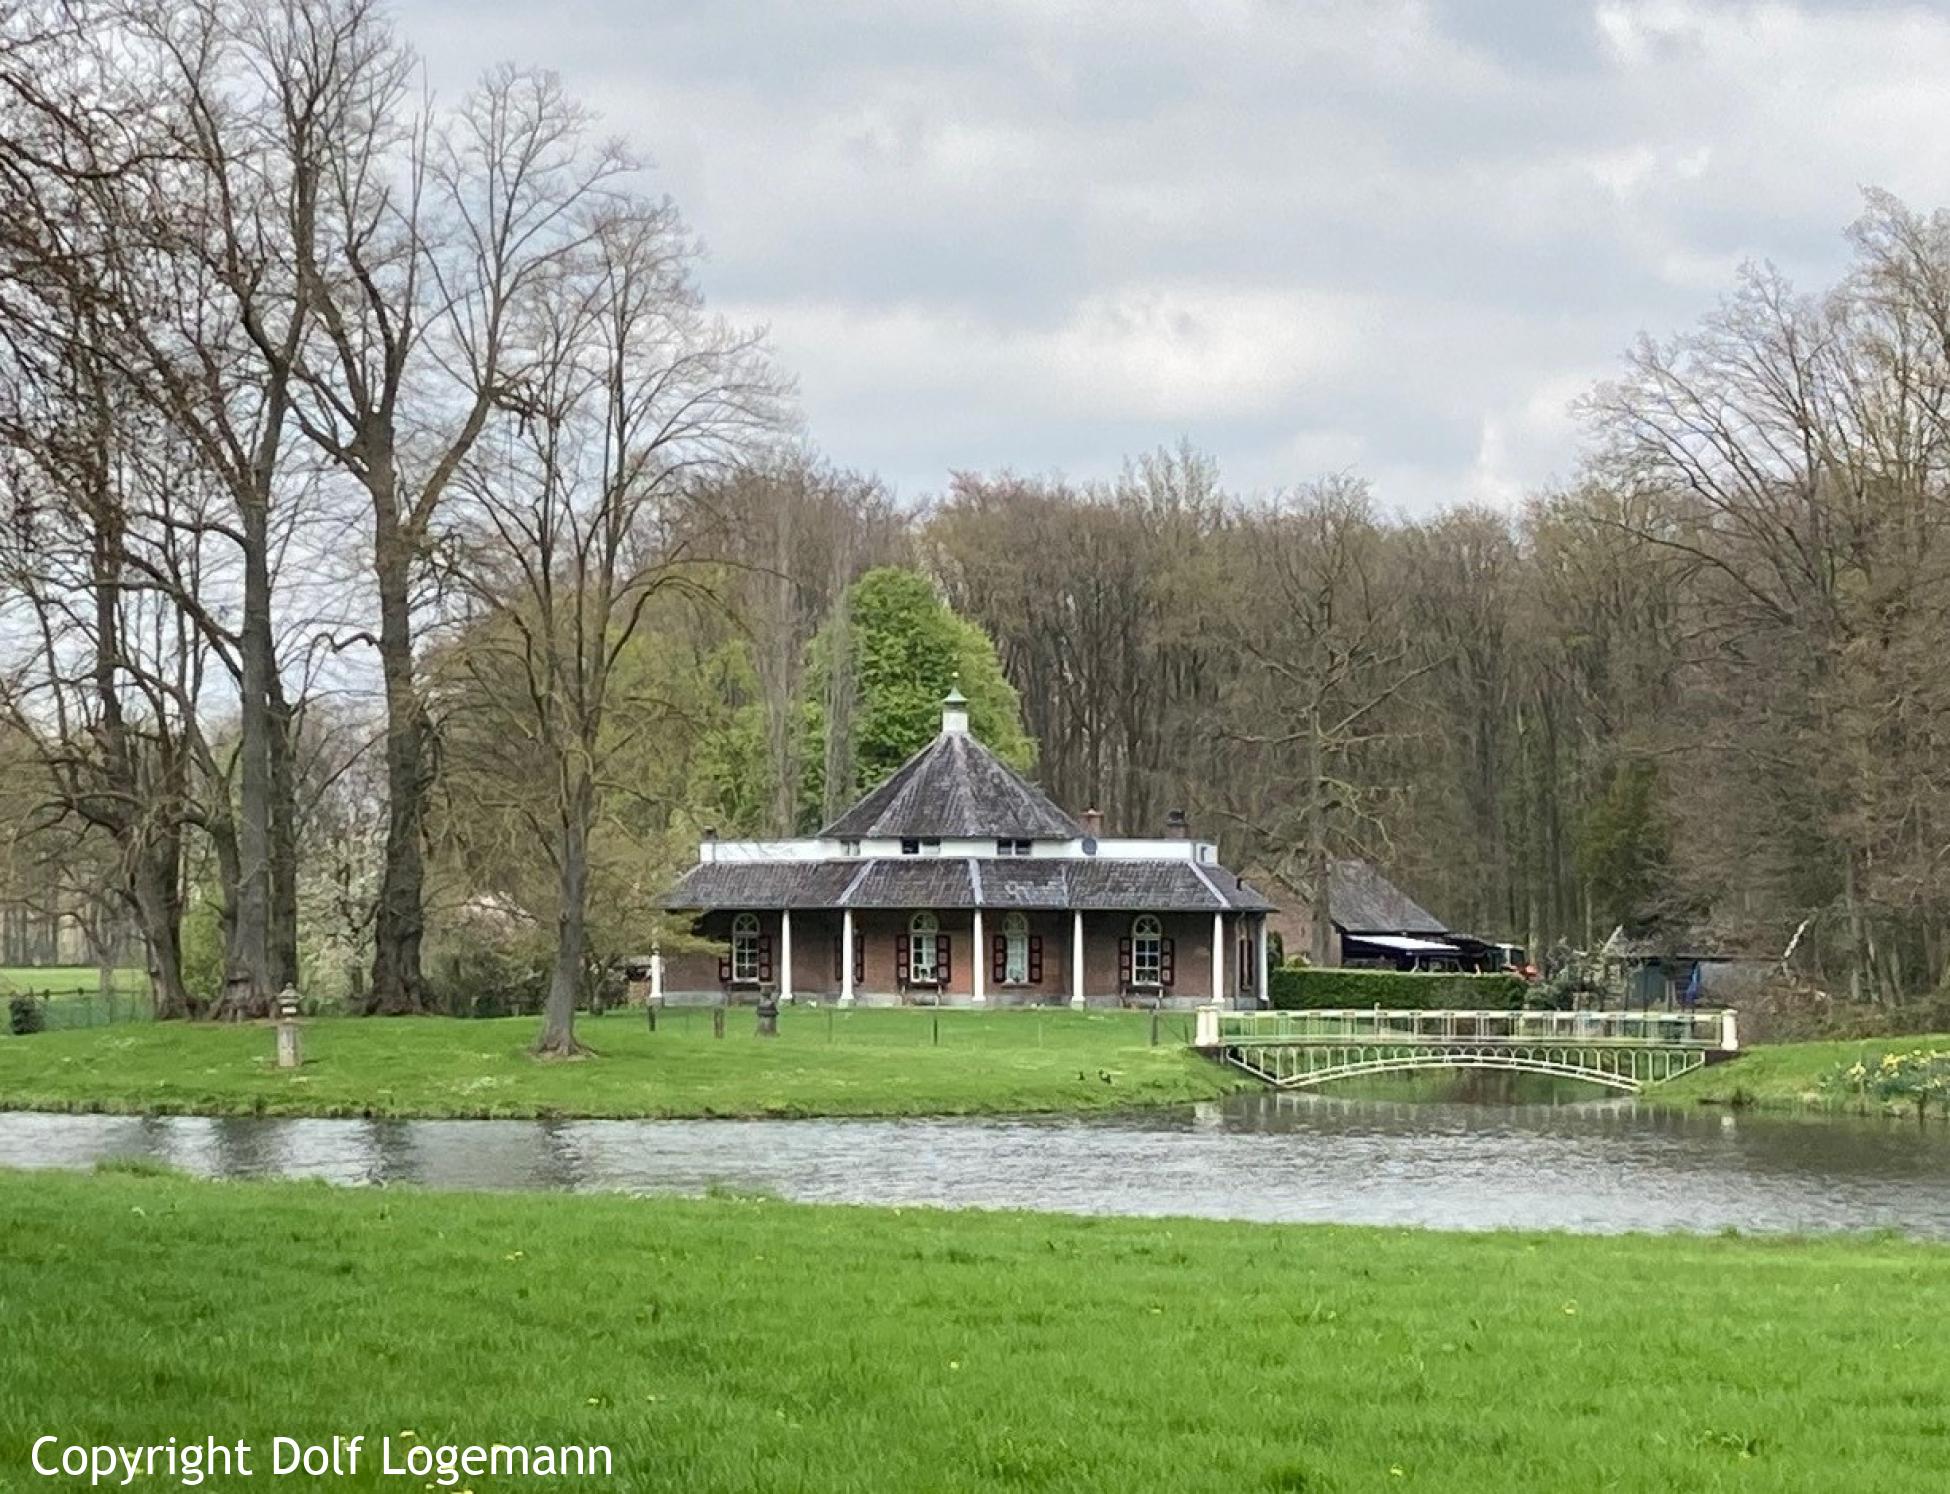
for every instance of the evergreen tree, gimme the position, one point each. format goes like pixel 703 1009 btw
pixel 906 647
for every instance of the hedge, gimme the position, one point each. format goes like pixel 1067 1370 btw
pixel 1295 987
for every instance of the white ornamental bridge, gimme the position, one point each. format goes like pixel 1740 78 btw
pixel 1621 1050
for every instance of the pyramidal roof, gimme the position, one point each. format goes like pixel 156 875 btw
pixel 955 786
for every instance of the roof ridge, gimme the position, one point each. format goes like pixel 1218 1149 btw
pixel 853 883
pixel 1218 896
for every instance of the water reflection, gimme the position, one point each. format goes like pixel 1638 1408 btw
pixel 1597 1166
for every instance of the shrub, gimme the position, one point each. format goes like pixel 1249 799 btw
pixel 1298 987
pixel 25 1015
pixel 482 981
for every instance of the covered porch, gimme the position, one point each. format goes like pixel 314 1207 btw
pixel 980 956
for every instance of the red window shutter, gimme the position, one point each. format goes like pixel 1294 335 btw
pixel 724 970
pixel 1035 959
pixel 942 970
pixel 999 958
pixel 839 958
pixel 1124 962
pixel 764 957
pixel 1164 961
pixel 900 960
pixel 859 960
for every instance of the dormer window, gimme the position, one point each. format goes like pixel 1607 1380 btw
pixel 849 848
pixel 929 845
pixel 1012 848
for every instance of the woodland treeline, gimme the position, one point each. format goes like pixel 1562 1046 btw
pixel 400 562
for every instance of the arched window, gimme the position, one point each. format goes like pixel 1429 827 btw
pixel 1015 950
pixel 923 968
pixel 1147 951
pixel 744 948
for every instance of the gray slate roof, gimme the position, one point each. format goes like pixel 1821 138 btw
pixel 1361 900
pixel 957 882
pixel 955 786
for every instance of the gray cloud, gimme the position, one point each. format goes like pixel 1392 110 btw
pixel 1393 237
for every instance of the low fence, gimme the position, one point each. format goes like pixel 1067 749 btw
pixel 54 1010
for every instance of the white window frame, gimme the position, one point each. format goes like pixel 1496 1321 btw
pixel 744 949
pixel 1147 951
pixel 922 970
pixel 1015 950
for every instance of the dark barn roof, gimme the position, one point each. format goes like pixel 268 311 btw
pixel 1361 900
pixel 958 882
pixel 955 786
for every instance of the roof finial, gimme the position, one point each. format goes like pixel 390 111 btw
pixel 954 707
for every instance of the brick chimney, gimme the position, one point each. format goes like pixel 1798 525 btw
pixel 1093 822
pixel 1175 826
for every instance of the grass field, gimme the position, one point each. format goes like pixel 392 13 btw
pixel 68 980
pixel 726 1344
pixel 869 1062
pixel 1788 1076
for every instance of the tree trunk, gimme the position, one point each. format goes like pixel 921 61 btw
pixel 558 1035
pixel 842 691
pixel 247 985
pixel 1858 938
pixel 1320 944
pixel 283 950
pixel 399 920
pixel 158 910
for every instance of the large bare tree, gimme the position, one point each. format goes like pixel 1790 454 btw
pixel 576 519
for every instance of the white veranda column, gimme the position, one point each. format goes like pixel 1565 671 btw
pixel 1076 960
pixel 785 954
pixel 1259 954
pixel 846 958
pixel 978 959
pixel 657 974
pixel 1218 957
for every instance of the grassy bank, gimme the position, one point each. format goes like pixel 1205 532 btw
pixel 884 1062
pixel 1789 1076
pixel 745 1345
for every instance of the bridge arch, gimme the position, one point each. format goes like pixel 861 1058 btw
pixel 1509 1063
pixel 1619 1050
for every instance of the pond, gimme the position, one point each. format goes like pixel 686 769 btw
pixel 1599 1166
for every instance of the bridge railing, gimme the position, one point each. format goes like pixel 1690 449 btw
pixel 1689 1029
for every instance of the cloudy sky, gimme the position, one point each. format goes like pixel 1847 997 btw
pixel 1393 238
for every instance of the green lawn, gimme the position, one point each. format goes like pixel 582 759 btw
pixel 1788 1076
pixel 873 1062
pixel 69 980
pixel 726 1344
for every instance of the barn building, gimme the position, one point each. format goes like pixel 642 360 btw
pixel 958 882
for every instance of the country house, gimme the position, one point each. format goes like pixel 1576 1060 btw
pixel 958 882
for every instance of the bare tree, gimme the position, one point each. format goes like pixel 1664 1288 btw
pixel 1323 621
pixel 627 394
pixel 432 237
